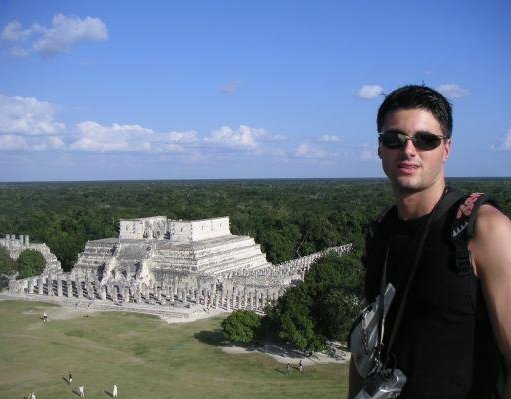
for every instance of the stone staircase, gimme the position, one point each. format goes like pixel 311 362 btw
pixel 96 254
pixel 211 256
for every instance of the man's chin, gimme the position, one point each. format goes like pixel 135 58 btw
pixel 406 185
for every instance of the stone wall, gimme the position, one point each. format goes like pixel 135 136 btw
pixel 196 230
pixel 15 246
pixel 149 228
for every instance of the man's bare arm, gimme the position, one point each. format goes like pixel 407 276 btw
pixel 491 251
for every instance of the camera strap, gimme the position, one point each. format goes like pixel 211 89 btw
pixel 447 199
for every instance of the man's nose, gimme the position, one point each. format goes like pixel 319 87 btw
pixel 409 147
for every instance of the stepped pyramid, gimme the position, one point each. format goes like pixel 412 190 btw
pixel 158 249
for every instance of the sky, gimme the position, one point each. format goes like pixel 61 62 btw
pixel 223 89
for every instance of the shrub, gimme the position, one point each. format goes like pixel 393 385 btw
pixel 30 263
pixel 241 326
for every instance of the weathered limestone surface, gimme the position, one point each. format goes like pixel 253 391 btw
pixel 179 264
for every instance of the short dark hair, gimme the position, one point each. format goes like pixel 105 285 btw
pixel 417 97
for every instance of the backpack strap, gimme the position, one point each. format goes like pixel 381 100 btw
pixel 463 226
pixel 374 228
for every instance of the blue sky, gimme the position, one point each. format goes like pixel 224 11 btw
pixel 100 90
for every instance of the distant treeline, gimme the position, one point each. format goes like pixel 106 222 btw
pixel 289 218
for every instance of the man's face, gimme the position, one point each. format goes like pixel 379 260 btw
pixel 409 169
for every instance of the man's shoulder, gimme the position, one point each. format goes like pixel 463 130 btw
pixel 491 222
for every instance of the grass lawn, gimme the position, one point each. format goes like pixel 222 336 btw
pixel 144 356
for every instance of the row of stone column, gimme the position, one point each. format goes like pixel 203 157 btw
pixel 210 298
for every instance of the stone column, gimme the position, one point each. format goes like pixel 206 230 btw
pixel 49 285
pixel 90 290
pixel 183 295
pixel 113 293
pixel 78 284
pixel 69 285
pixel 170 295
pixel 31 286
pixel 126 293
pixel 102 292
pixel 228 305
pixel 59 286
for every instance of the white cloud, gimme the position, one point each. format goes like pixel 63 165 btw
pixel 10 142
pixel 93 137
pixel 14 33
pixel 27 116
pixel 368 92
pixel 305 150
pixel 97 138
pixel 330 138
pixel 231 87
pixel 181 137
pixel 60 37
pixel 276 137
pixel 15 142
pixel 245 138
pixel 507 141
pixel 18 52
pixel 452 90
pixel 504 144
pixel 368 153
pixel 46 143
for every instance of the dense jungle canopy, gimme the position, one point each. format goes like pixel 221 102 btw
pixel 289 218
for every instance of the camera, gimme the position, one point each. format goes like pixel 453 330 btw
pixel 383 384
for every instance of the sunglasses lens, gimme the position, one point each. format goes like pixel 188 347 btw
pixel 422 140
pixel 393 140
pixel 426 141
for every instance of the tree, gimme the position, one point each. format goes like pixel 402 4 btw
pixel 30 263
pixel 323 306
pixel 297 324
pixel 241 326
pixel 7 267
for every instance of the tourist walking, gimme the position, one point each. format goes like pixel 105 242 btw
pixel 114 391
pixel 81 391
pixel 300 365
pixel 288 368
pixel 69 378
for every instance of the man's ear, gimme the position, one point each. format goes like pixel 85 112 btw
pixel 379 152
pixel 447 149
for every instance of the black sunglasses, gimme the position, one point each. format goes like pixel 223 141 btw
pixel 425 141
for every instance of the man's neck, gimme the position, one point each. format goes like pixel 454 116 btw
pixel 412 205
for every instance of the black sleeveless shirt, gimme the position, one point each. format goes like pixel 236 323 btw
pixel 445 345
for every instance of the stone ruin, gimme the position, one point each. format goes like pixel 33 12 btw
pixel 163 266
pixel 15 246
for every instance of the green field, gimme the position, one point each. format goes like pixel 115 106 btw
pixel 144 356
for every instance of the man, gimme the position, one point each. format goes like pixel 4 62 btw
pixel 453 339
pixel 114 391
